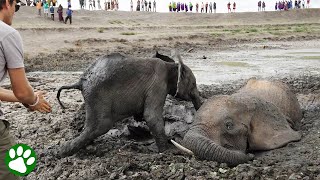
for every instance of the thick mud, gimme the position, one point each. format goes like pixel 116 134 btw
pixel 223 50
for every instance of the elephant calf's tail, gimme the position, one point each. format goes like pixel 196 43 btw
pixel 77 85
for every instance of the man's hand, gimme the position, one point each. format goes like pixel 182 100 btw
pixel 42 105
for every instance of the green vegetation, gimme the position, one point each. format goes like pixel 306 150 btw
pixel 301 29
pixel 236 30
pixel 275 33
pixel 128 33
pixel 253 30
pixel 100 30
pixel 278 57
pixel 116 22
pixel 233 64
pixel 263 31
pixel 215 34
pixel 304 53
pixel 311 57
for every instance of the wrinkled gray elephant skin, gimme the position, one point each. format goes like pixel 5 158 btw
pixel 117 86
pixel 260 116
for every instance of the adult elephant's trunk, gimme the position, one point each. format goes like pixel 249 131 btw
pixel 205 148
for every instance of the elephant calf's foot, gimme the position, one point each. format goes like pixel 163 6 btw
pixel 67 150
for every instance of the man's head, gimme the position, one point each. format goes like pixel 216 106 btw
pixel 7 10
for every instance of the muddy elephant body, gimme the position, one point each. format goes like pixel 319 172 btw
pixel 258 117
pixel 118 86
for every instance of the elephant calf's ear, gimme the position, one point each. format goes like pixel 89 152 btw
pixel 269 129
pixel 163 57
pixel 177 56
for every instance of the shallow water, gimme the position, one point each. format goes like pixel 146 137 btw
pixel 243 64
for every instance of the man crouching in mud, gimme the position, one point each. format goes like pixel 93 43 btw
pixel 11 61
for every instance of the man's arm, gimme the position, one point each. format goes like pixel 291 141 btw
pixel 7 95
pixel 24 92
pixel 21 87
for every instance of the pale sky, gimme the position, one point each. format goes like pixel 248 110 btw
pixel 162 5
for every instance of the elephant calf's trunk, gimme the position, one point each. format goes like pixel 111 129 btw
pixel 205 148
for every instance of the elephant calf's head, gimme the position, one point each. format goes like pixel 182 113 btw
pixel 182 82
pixel 187 85
pixel 225 127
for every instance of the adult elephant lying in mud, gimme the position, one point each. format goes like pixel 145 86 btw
pixel 258 117
pixel 118 86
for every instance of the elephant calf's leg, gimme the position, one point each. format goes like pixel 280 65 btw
pixel 79 142
pixel 97 124
pixel 156 126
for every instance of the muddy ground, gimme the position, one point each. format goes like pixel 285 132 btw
pixel 61 51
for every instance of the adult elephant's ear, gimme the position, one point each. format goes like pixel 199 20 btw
pixel 269 128
pixel 163 57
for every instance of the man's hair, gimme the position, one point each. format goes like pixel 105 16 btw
pixel 3 2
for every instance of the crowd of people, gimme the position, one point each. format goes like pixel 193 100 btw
pixel 207 7
pixel 261 6
pixel 49 6
pixel 92 5
pixel 233 7
pixel 286 5
pixel 144 5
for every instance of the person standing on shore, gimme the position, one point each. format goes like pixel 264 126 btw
pixel 308 3
pixel 197 7
pixel 11 63
pixel 142 5
pixel 202 7
pixel 99 5
pixel 234 6
pixel 138 5
pixel 60 13
pixel 90 5
pixel 229 7
pixel 177 7
pixel 154 6
pixel 69 16
pixel 52 12
pixel 146 5
pixel 206 7
pixel 39 7
pixel 45 9
pixel 69 3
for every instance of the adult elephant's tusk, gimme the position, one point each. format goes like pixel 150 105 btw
pixel 179 146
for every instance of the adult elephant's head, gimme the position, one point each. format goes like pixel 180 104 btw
pixel 181 80
pixel 226 127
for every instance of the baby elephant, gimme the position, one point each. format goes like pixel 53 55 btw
pixel 117 86
pixel 260 116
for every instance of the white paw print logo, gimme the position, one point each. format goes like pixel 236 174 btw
pixel 21 159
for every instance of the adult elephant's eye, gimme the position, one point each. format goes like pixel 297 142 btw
pixel 229 125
